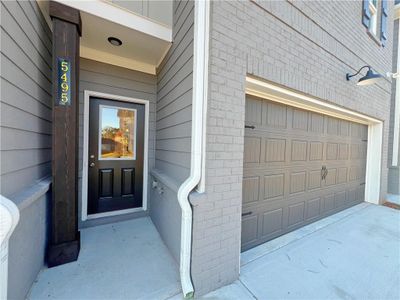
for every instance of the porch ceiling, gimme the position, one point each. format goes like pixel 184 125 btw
pixel 139 51
pixel 144 41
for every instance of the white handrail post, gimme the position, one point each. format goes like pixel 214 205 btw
pixel 9 217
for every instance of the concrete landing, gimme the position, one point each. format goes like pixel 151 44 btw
pixel 125 260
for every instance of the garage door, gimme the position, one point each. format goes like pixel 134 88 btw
pixel 299 166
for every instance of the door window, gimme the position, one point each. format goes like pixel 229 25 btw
pixel 117 137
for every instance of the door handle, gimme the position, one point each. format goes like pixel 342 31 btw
pixel 324 172
pixel 249 126
pixel 92 164
pixel 247 213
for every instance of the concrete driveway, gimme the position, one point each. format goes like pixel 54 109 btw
pixel 354 254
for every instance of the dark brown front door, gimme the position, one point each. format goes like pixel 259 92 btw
pixel 116 146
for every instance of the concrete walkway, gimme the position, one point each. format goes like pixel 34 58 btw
pixel 354 254
pixel 125 260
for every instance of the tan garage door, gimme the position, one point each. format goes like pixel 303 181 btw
pixel 299 167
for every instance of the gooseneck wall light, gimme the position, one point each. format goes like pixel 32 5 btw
pixel 369 78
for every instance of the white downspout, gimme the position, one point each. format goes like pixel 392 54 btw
pixel 9 217
pixel 200 77
pixel 396 129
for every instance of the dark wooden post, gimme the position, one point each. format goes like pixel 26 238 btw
pixel 65 241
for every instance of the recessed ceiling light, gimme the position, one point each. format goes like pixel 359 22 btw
pixel 114 41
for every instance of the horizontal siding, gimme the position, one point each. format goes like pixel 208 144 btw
pixel 25 96
pixel 174 97
pixel 104 78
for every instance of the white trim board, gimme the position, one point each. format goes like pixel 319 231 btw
pixel 85 165
pixel 116 60
pixel 266 90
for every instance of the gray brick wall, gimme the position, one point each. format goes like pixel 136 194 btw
pixel 303 45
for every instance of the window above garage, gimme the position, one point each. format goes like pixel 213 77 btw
pixel 374 18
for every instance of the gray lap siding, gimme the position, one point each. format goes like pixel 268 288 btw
pixel 25 96
pixel 173 126
pixel 304 46
pixel 25 129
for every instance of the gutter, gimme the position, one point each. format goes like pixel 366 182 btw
pixel 200 78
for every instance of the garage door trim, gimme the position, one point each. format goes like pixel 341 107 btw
pixel 272 92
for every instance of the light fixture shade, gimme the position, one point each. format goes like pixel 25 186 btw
pixel 369 78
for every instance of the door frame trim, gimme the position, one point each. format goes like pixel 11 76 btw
pixel 85 165
pixel 273 92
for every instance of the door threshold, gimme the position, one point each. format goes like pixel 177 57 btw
pixel 115 213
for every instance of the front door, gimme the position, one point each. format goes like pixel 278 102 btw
pixel 116 149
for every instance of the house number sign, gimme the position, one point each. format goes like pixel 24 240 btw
pixel 64 82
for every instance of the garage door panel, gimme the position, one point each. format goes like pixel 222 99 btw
pixel 274 186
pixel 340 199
pixel 355 173
pixel 299 150
pixel 249 230
pixel 252 150
pixel 332 151
pixel 299 119
pixel 272 222
pixel 251 190
pixel 284 162
pixel 275 115
pixel 342 175
pixel 316 123
pixel 343 151
pixel 351 196
pixel 313 208
pixel 254 111
pixel 296 214
pixel 331 176
pixel 333 126
pixel 298 182
pixel 275 150
pixel 316 150
pixel 329 203
pixel 344 128
pixel 314 179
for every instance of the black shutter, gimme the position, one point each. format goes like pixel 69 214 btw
pixel 366 14
pixel 384 16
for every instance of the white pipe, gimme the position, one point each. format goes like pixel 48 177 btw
pixel 9 217
pixel 200 71
pixel 396 128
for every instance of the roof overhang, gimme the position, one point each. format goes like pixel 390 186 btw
pixel 144 42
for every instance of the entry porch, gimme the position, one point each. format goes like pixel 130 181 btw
pixel 124 260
